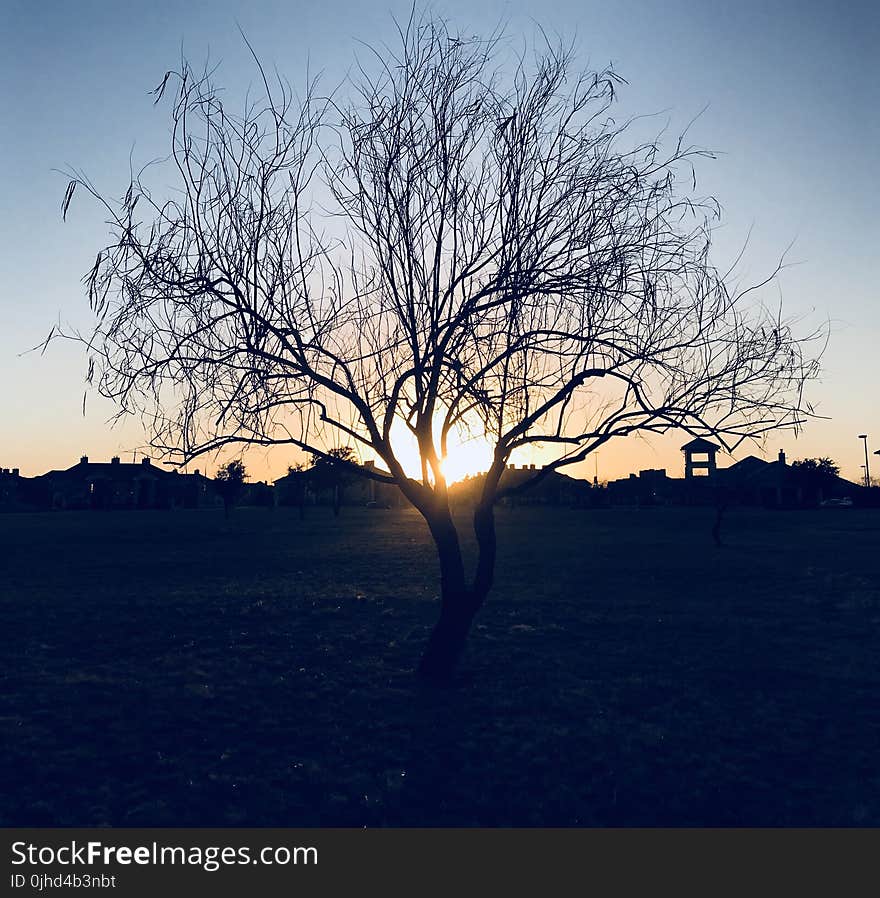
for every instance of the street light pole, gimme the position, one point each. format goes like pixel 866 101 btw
pixel 864 438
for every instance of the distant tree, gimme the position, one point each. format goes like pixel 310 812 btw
pixel 297 486
pixel 460 239
pixel 817 469
pixel 229 481
pixel 333 471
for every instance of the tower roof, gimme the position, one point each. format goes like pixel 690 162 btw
pixel 700 445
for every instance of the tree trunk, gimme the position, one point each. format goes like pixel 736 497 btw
pixel 448 638
pixel 458 603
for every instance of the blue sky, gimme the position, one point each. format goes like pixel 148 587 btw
pixel 788 93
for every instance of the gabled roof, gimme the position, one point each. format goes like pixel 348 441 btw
pixel 290 475
pixel 748 465
pixel 755 472
pixel 352 467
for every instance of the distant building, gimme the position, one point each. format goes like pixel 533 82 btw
pixel 258 493
pixel 776 484
pixel 750 481
pixel 297 488
pixel 552 489
pixel 699 455
pixel 119 485
pixel 650 487
pixel 17 493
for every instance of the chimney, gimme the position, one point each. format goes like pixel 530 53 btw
pixel 146 462
pixel 531 467
pixel 15 472
pixel 781 456
pixel 114 460
pixel 84 459
pixel 196 472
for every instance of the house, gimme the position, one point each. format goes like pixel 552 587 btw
pixel 298 488
pixel 119 485
pixel 776 484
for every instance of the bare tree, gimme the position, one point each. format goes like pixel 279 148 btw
pixel 461 243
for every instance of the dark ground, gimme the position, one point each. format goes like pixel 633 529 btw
pixel 179 669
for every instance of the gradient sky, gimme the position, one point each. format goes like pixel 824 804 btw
pixel 791 99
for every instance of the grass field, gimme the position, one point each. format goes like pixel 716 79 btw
pixel 180 669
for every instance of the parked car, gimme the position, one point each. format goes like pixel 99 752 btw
pixel 845 502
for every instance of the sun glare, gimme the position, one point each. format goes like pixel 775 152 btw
pixel 468 453
pixel 466 457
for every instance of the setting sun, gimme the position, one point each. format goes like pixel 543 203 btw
pixel 468 452
pixel 467 458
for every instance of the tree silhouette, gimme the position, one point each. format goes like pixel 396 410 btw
pixel 229 482
pixel 817 469
pixel 297 484
pixel 333 471
pixel 466 241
